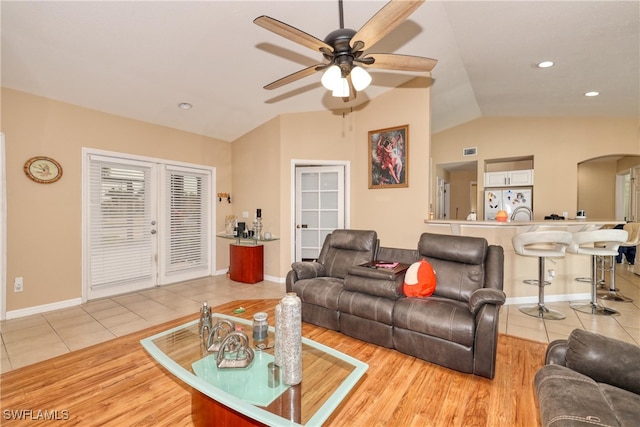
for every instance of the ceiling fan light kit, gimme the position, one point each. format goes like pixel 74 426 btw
pixel 345 50
pixel 333 80
pixel 360 78
pixel 342 89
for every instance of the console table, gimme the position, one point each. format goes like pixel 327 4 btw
pixel 246 258
pixel 242 397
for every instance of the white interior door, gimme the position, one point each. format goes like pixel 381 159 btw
pixel 320 207
pixel 146 224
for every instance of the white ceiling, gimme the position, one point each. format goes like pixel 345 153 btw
pixel 140 59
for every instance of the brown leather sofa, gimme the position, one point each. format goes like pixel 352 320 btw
pixel 456 327
pixel 589 379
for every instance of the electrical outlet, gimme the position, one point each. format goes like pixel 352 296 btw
pixel 245 214
pixel 18 284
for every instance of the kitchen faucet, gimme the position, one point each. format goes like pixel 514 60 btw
pixel 516 210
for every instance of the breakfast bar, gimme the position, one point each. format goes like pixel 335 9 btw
pixel 564 287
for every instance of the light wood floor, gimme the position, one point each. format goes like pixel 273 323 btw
pixel 117 384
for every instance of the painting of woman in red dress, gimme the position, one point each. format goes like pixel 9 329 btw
pixel 388 150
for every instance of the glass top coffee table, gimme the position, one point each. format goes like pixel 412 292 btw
pixel 242 396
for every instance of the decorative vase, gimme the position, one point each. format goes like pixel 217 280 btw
pixel 277 351
pixel 291 349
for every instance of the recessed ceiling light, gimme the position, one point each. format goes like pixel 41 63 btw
pixel 545 64
pixel 185 105
pixel 593 93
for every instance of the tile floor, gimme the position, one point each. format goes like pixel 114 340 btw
pixel 39 337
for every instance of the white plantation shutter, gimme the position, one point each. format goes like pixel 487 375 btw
pixel 186 238
pixel 119 219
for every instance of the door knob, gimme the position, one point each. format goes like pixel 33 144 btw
pixel 302 226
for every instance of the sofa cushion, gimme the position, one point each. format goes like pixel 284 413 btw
pixel 367 306
pixel 457 281
pixel 567 397
pixel 592 354
pixel 345 248
pixel 459 261
pixel 419 280
pixel 321 291
pixel 625 404
pixel 461 249
pixel 438 317
pixel 379 282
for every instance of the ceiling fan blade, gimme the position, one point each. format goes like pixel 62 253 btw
pixel 392 61
pixel 295 76
pixel 385 21
pixel 291 33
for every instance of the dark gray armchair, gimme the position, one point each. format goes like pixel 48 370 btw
pixel 320 283
pixel 589 380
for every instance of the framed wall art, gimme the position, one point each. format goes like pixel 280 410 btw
pixel 389 157
pixel 43 170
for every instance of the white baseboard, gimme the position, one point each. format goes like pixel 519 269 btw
pixel 549 298
pixel 275 279
pixel 267 277
pixel 37 309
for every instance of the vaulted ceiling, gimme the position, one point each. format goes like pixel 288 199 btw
pixel 141 59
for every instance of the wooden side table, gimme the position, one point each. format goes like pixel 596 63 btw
pixel 246 263
pixel 246 258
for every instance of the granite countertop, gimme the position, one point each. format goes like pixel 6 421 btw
pixel 522 223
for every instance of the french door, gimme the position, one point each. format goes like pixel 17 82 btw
pixel 147 224
pixel 320 207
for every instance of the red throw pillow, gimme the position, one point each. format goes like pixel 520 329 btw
pixel 420 280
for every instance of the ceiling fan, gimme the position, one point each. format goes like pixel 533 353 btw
pixel 345 50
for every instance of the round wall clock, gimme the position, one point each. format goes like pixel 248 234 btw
pixel 43 170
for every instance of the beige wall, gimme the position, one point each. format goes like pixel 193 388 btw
pixel 256 169
pixel 256 184
pixel 44 221
pixel 396 214
pixel 557 145
pixel 596 189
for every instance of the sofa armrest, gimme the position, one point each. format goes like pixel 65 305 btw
pixel 483 296
pixel 556 353
pixel 494 268
pixel 604 359
pixel 308 269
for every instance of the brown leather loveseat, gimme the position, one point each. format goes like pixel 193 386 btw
pixel 456 327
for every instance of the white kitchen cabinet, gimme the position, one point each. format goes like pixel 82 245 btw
pixel 516 178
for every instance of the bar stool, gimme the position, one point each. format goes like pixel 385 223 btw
pixel 602 260
pixel 608 241
pixel 613 294
pixel 541 244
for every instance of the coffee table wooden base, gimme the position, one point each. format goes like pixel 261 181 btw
pixel 207 412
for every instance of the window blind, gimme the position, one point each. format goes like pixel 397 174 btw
pixel 120 239
pixel 186 234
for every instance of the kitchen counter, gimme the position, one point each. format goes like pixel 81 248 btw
pixel 572 225
pixel 517 268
